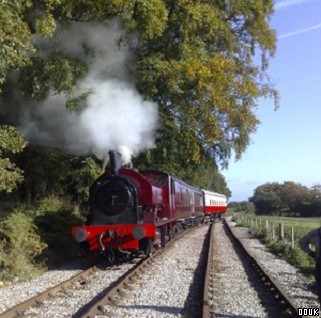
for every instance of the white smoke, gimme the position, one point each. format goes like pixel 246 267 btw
pixel 115 117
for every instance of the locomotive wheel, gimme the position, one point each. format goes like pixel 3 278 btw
pixel 149 246
pixel 177 229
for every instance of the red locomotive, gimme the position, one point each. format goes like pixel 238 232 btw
pixel 132 211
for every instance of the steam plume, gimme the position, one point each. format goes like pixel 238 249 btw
pixel 115 116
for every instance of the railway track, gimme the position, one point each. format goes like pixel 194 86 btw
pixel 123 293
pixel 123 286
pixel 50 293
pixel 155 288
pixel 113 295
pixel 109 294
pixel 279 303
pixel 47 294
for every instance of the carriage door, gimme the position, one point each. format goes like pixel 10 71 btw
pixel 172 200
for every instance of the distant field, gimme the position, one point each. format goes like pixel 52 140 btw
pixel 301 225
pixel 310 222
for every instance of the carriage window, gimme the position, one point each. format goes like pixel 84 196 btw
pixel 161 180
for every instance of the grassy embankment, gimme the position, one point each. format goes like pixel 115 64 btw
pixel 35 236
pixel 262 228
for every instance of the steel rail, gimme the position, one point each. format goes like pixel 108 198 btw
pixel 208 275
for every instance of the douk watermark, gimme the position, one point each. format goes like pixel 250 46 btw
pixel 308 312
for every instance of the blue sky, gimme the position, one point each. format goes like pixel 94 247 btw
pixel 287 144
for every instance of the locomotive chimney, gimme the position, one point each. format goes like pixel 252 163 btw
pixel 115 161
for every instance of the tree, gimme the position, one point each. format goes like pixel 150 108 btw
pixel 314 200
pixel 244 206
pixel 290 198
pixel 15 38
pixel 194 58
pixel 201 70
pixel 295 196
pixel 50 172
pixel 15 50
pixel 267 199
pixel 11 142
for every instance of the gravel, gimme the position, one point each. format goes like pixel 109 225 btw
pixel 14 294
pixel 291 279
pixel 163 292
pixel 172 286
pixel 171 289
pixel 74 301
pixel 233 292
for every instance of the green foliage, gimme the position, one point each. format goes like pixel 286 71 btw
pixel 54 219
pixel 35 235
pixel 18 21
pixel 194 58
pixel 201 69
pixel 88 10
pixel 11 141
pixel 82 178
pixel 46 25
pixel 151 17
pixel 20 245
pixel 294 256
pixel 55 74
pixel 244 206
pixel 206 176
pixel 294 196
pixel 52 203
pixel 45 173
pixel 10 175
pixel 15 38
pixel 50 172
pixel 266 199
pixel 76 104
pixel 288 198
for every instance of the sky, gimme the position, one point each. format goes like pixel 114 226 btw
pixel 287 144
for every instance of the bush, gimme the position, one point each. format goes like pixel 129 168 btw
pixel 20 246
pixel 293 255
pixel 54 218
pixel 37 235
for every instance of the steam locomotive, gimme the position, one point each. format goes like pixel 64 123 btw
pixel 133 211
